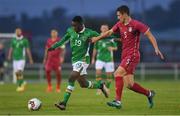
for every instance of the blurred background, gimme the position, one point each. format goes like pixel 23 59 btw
pixel 38 17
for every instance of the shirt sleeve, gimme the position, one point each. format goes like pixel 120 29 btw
pixel 142 27
pixel 94 33
pixel 63 41
pixel 115 28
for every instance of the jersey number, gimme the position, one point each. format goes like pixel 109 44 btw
pixel 77 42
pixel 125 35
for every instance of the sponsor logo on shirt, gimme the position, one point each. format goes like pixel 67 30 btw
pixel 130 29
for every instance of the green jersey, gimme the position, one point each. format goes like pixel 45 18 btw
pixel 79 43
pixel 19 48
pixel 103 53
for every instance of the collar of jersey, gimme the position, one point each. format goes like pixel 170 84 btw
pixel 82 30
pixel 19 38
pixel 128 21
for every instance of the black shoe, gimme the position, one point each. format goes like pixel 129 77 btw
pixel 61 105
pixel 104 89
pixel 115 104
pixel 150 98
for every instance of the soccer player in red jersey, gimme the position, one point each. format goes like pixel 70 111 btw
pixel 129 30
pixel 52 61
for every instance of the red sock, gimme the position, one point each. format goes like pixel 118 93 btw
pixel 48 77
pixel 137 88
pixel 58 78
pixel 119 87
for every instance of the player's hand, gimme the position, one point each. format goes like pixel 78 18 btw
pixel 158 53
pixel 93 39
pixel 51 49
pixel 110 49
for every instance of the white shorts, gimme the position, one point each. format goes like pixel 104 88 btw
pixel 109 66
pixel 18 65
pixel 81 67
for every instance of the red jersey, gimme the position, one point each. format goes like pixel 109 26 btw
pixel 130 36
pixel 53 56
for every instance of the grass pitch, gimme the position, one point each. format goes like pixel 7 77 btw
pixel 86 102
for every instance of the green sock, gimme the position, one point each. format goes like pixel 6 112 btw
pixel 20 82
pixel 98 80
pixel 94 85
pixel 66 97
pixel 68 92
pixel 108 82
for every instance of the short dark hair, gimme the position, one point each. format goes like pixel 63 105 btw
pixel 123 9
pixel 78 19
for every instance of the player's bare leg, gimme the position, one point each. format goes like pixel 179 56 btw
pixel 118 74
pixel 129 82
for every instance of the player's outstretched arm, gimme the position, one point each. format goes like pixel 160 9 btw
pixel 93 56
pixel 10 53
pixel 112 48
pixel 154 43
pixel 103 35
pixel 29 55
pixel 60 43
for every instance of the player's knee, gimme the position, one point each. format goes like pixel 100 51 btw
pixel 48 73
pixel 74 76
pixel 58 73
pixel 20 72
pixel 99 73
pixel 17 74
pixel 82 85
pixel 118 73
pixel 129 85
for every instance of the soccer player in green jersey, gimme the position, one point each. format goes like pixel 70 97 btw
pixel 19 46
pixel 103 55
pixel 78 36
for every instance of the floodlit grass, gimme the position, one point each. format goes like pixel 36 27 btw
pixel 86 102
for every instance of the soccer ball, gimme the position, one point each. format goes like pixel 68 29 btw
pixel 34 104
